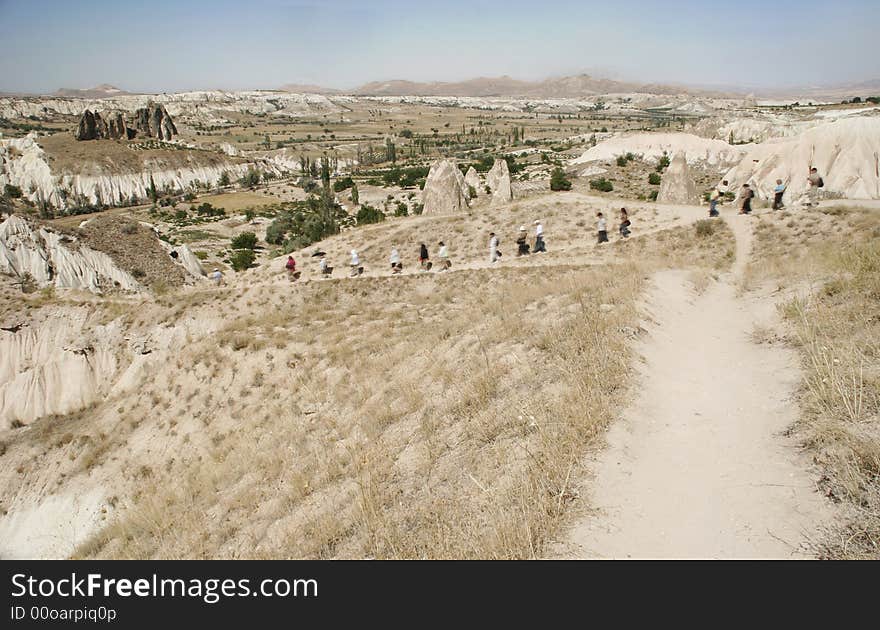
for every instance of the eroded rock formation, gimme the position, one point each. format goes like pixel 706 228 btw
pixel 152 121
pixel 445 189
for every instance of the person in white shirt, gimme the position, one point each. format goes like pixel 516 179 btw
pixel 493 247
pixel 396 266
pixel 217 277
pixel 443 255
pixel 602 228
pixel 356 268
pixel 539 238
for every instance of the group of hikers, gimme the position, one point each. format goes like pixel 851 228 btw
pixel 523 248
pixel 602 226
pixel 747 193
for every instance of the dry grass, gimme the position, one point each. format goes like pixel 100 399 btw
pixel 459 439
pixel 837 329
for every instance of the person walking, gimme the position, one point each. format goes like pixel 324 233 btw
pixel 714 200
pixel 539 247
pixel 624 223
pixel 601 228
pixel 522 245
pixel 217 277
pixel 494 254
pixel 324 265
pixel 746 194
pixel 778 192
pixel 814 183
pixel 396 265
pixel 290 266
pixel 443 255
pixel 423 257
pixel 356 268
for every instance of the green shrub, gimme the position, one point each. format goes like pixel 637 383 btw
pixel 653 195
pixel 245 240
pixel 662 163
pixel 369 214
pixel 601 184
pixel 472 192
pixel 343 184
pixel 654 179
pixel 242 259
pixel 621 160
pixel 558 180
pixel 401 210
pixel 418 208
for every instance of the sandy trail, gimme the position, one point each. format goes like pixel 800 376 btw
pixel 699 466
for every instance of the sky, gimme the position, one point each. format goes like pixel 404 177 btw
pixel 168 45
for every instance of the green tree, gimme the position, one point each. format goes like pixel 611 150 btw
pixel 250 179
pixel 245 240
pixel 390 151
pixel 154 195
pixel 654 179
pixel 14 192
pixel 369 214
pixel 558 180
pixel 355 197
pixel 242 259
pixel 222 182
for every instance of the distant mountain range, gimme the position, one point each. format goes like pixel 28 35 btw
pixel 561 87
pixel 576 86
pixel 99 91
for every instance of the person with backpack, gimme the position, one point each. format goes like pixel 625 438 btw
pixel 324 265
pixel 624 223
pixel 746 196
pixel 814 183
pixel 778 192
pixel 423 257
pixel 522 245
pixel 290 266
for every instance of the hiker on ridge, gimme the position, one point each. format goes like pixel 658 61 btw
pixel 777 195
pixel 714 200
pixel 624 223
pixel 539 239
pixel 814 183
pixel 522 246
pixel 494 254
pixel 443 255
pixel 396 265
pixel 746 195
pixel 423 257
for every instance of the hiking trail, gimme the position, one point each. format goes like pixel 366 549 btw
pixel 699 465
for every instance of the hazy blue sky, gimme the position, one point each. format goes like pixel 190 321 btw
pixel 166 45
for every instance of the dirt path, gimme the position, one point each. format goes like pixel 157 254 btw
pixel 699 466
